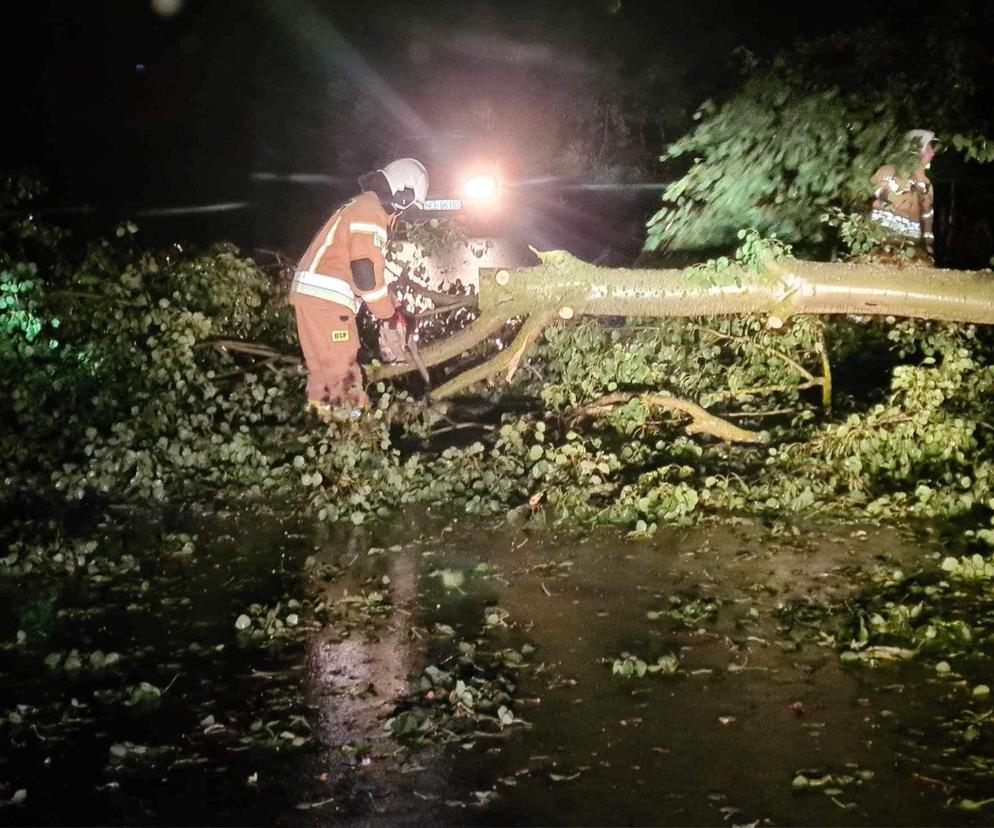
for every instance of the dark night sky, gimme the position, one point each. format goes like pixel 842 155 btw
pixel 114 103
pixel 97 86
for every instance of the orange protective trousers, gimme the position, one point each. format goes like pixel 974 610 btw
pixel 329 339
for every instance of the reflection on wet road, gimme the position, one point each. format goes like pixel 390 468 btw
pixel 759 699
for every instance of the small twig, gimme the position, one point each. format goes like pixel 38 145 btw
pixel 438 298
pixel 280 258
pixel 307 806
pixel 758 390
pixel 535 372
pixel 930 781
pixel 458 426
pixel 826 372
pixel 462 302
pixel 266 363
pixel 238 346
pixel 746 414
pixel 804 372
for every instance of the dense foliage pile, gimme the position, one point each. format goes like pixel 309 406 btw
pixel 112 390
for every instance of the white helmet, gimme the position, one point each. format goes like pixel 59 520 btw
pixel 919 138
pixel 408 180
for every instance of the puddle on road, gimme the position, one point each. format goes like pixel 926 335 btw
pixel 495 649
pixel 757 701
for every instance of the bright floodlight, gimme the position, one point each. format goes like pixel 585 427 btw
pixel 481 188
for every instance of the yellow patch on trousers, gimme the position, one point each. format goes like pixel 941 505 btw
pixel 339 336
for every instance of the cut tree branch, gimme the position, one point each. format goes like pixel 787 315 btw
pixel 702 420
pixel 507 359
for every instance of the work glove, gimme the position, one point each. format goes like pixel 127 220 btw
pixel 393 338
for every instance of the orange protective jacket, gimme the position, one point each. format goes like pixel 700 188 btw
pixel 356 231
pixel 903 203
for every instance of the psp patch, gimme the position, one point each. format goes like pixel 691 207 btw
pixel 339 336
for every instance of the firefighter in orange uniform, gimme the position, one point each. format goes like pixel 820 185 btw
pixel 903 203
pixel 343 267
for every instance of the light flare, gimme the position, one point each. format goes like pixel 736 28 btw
pixel 480 188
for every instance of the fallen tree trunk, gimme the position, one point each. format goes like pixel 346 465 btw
pixel 566 285
pixel 563 286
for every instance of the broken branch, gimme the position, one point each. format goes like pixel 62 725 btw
pixel 702 420
pixel 238 346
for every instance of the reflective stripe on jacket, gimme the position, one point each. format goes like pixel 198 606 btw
pixel 898 224
pixel 329 288
pixel 357 230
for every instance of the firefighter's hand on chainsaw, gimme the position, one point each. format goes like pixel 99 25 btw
pixel 393 338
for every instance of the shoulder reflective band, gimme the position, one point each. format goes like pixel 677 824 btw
pixel 373 295
pixel 328 239
pixel 378 233
pixel 325 287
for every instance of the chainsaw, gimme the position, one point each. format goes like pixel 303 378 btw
pixel 399 340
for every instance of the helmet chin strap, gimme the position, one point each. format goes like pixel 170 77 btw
pixel 406 197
